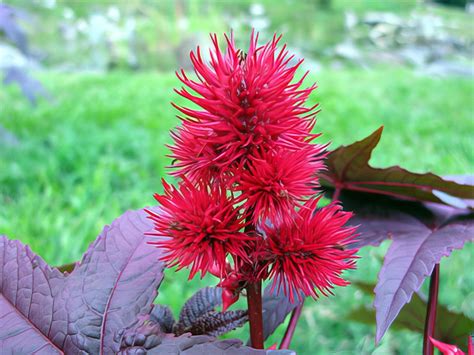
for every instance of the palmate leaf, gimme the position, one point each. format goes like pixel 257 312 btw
pixel 103 306
pixel 146 337
pixel 348 169
pixel 116 280
pixel 451 327
pixel 398 204
pixel 28 287
pixel 198 345
pixel 421 235
pixel 409 260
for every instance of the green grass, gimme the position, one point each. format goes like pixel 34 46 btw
pixel 98 150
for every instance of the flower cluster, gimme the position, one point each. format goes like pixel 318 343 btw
pixel 245 208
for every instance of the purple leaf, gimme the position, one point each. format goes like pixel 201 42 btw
pixel 146 337
pixel 198 315
pixel 147 332
pixel 215 323
pixel 379 217
pixel 200 344
pixel 411 258
pixel 203 301
pixel 465 180
pixel 163 315
pixel 116 280
pixel 451 327
pixel 348 168
pixel 28 287
pixel 276 307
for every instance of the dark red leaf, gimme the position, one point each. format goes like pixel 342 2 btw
pixel 421 235
pixel 187 344
pixel 198 315
pixel 116 280
pixel 276 307
pixel 215 323
pixel 348 169
pixel 410 259
pixel 451 327
pixel 28 287
pixel 203 301
pixel 163 315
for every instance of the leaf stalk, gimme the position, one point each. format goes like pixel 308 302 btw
pixel 290 330
pixel 430 321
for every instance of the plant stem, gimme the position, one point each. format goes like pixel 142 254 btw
pixel 337 193
pixel 290 330
pixel 254 303
pixel 430 322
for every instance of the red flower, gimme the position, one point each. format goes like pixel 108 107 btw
pixel 201 224
pixel 248 104
pixel 310 255
pixel 248 162
pixel 448 349
pixel 276 182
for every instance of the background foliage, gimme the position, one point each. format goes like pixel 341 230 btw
pixel 98 148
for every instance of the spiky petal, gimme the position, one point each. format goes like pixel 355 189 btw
pixel 247 104
pixel 276 182
pixel 310 256
pixel 202 226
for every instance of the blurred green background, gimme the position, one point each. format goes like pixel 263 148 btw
pixel 74 162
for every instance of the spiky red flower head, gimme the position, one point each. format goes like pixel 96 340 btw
pixel 202 226
pixel 275 182
pixel 248 162
pixel 310 256
pixel 248 104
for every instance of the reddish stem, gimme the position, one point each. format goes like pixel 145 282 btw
pixel 430 322
pixel 337 193
pixel 290 330
pixel 254 304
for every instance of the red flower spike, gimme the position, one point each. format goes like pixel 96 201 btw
pixel 251 136
pixel 276 182
pixel 202 227
pixel 448 349
pixel 248 104
pixel 310 255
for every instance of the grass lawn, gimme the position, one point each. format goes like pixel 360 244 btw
pixel 98 150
